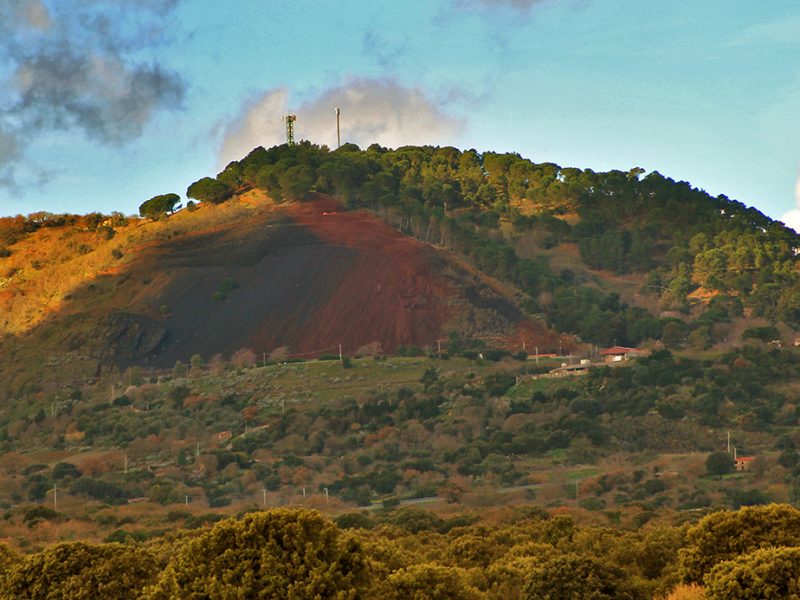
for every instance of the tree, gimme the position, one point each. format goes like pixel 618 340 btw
pixel 719 463
pixel 197 363
pixel 284 553
pixel 279 354
pixel 296 182
pixel 159 206
pixel 65 469
pixel 210 190
pixel 575 577
pixel 727 534
pixel 79 571
pixel 430 581
pixel 767 574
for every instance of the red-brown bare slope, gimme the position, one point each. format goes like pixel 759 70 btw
pixel 309 276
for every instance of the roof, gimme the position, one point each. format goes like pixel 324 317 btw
pixel 618 350
pixel 745 458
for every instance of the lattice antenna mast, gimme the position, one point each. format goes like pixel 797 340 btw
pixel 290 119
pixel 338 134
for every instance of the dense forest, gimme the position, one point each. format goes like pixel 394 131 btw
pixel 681 237
pixel 526 554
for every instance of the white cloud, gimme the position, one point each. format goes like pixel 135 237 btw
pixel 792 217
pixel 372 111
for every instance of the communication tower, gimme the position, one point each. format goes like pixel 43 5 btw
pixel 338 135
pixel 290 119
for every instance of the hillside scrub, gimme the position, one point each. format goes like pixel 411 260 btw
pixel 381 432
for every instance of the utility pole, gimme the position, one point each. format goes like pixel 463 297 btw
pixel 729 442
pixel 326 495
pixel 197 450
pixel 338 134
pixel 55 496
pixel 186 499
pixel 126 464
pixel 537 355
pixel 439 347
pixel 341 358
pixel 264 497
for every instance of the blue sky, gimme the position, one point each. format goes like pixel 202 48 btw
pixel 106 103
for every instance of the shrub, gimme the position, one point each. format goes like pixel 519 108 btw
pixel 725 535
pixel 574 576
pixel 769 573
pixel 719 463
pixel 275 554
pixel 81 571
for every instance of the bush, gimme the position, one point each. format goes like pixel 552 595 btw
pixel 719 463
pixel 99 490
pixel 725 535
pixel 765 334
pixel 81 571
pixel 65 469
pixel 265 554
pixel 769 573
pixel 574 576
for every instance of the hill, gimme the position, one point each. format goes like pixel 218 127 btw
pixel 250 275
pixel 147 383
pixel 301 247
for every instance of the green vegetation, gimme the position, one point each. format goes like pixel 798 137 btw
pixel 209 190
pixel 621 461
pixel 391 430
pixel 683 238
pixel 525 554
pixel 159 206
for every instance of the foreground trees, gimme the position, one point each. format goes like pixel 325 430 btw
pixel 78 571
pixel 292 554
pixel 727 535
pixel 402 555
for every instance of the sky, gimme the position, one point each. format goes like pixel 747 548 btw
pixel 106 103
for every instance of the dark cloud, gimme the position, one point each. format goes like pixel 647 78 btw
pixel 69 65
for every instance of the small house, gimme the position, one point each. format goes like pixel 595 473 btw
pixel 620 353
pixel 743 463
